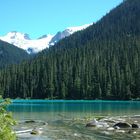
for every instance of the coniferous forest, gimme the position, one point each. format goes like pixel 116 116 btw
pixel 10 54
pixel 100 62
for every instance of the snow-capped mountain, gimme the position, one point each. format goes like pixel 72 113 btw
pixel 23 40
pixel 67 32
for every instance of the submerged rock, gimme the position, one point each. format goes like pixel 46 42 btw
pixel 23 131
pixel 98 124
pixel 34 122
pixel 91 124
pixel 30 121
pixel 122 125
pixel 36 131
pixel 106 132
pixel 136 116
pixel 110 120
pixel 110 129
pixel 120 131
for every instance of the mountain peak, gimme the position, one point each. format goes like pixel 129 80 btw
pixel 67 32
pixel 22 40
pixel 77 28
pixel 17 35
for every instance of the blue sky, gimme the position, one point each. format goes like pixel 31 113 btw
pixel 39 17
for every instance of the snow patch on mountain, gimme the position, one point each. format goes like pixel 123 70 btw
pixel 72 30
pixel 67 32
pixel 23 41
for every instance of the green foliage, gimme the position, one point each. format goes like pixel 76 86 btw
pixel 10 54
pixel 101 62
pixel 6 122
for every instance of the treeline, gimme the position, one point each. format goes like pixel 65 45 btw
pixel 101 62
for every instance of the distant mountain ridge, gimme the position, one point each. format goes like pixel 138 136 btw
pixel 23 40
pixel 10 54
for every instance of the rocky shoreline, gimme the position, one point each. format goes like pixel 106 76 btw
pixel 111 125
pixel 119 125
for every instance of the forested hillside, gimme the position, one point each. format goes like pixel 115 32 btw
pixel 101 62
pixel 10 54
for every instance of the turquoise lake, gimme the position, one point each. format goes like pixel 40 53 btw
pixel 64 118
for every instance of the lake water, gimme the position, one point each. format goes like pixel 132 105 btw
pixel 67 119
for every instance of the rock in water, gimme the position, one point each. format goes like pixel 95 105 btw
pixel 110 129
pixel 135 125
pixel 29 121
pixel 92 123
pixel 120 131
pixel 36 131
pixel 97 124
pixel 122 125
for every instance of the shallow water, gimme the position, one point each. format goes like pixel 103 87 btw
pixel 67 119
